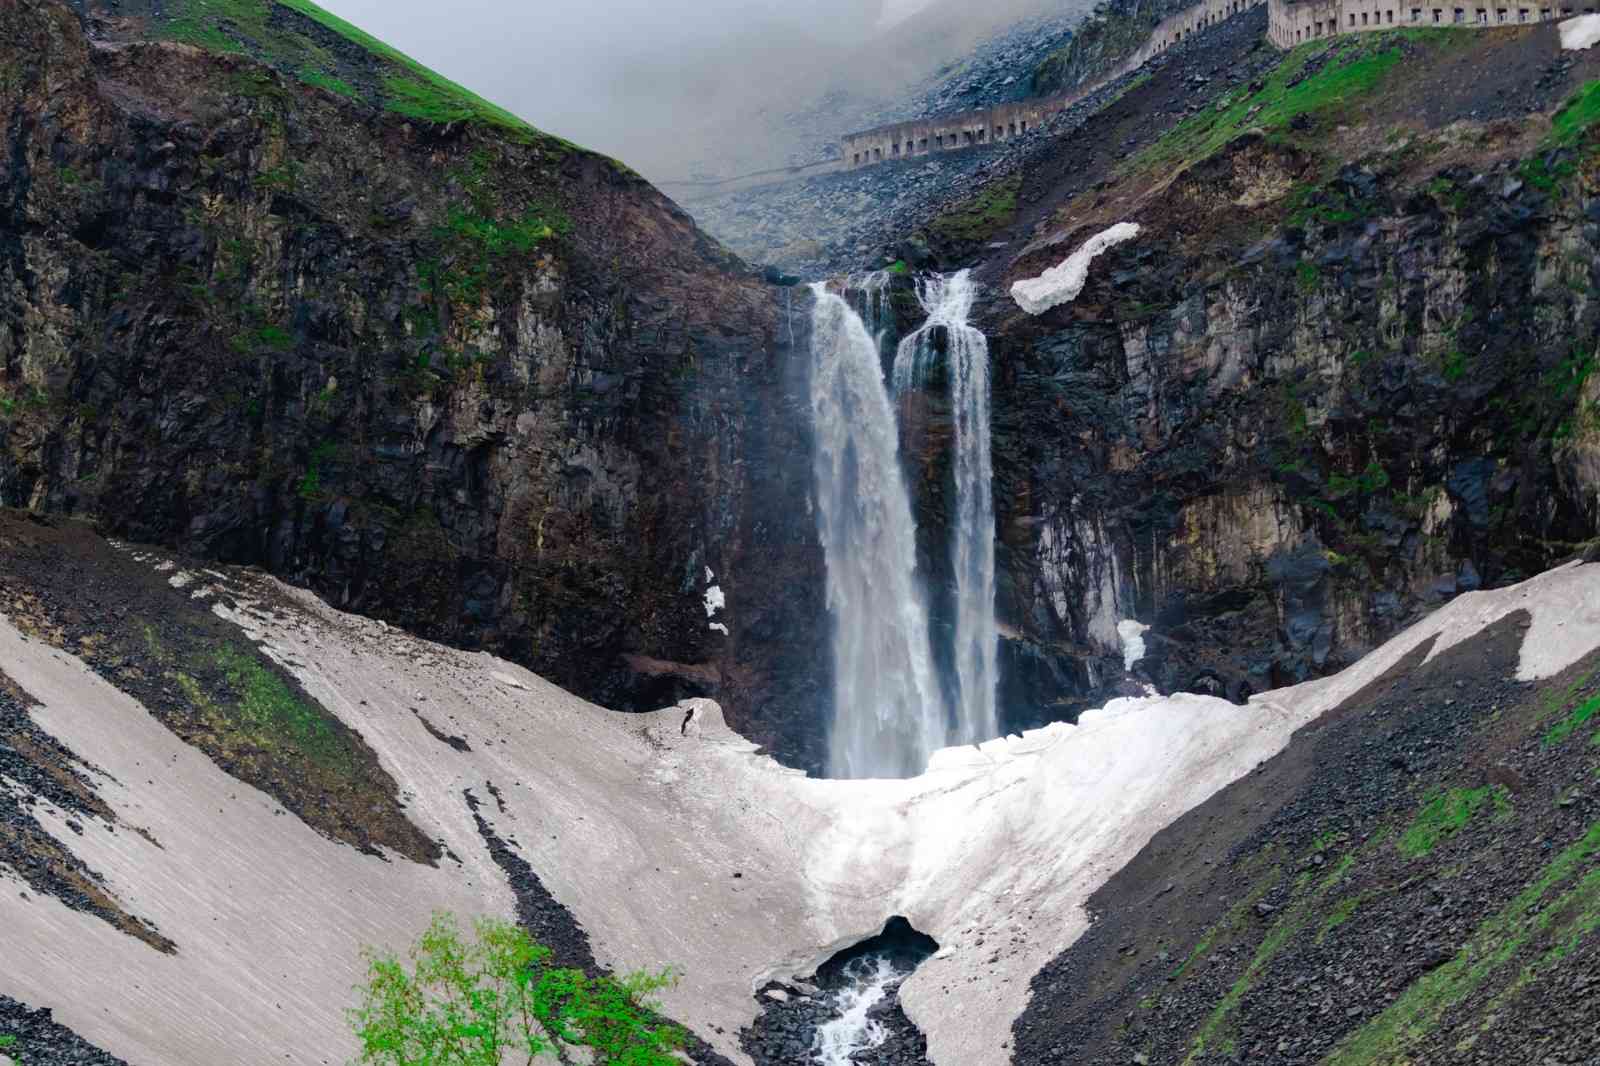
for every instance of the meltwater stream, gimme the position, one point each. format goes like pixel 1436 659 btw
pixel 853 1028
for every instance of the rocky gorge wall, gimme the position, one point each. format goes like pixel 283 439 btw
pixel 1123 36
pixel 1279 451
pixel 474 381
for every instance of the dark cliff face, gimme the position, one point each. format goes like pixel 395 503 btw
pixel 1280 451
pixel 466 378
pixel 1112 33
pixel 1344 373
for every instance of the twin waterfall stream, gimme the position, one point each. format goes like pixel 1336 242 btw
pixel 891 708
pixel 890 712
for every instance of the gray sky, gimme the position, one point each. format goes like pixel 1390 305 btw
pixel 663 84
pixel 617 75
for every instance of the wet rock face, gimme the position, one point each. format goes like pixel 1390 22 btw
pixel 486 386
pixel 1279 441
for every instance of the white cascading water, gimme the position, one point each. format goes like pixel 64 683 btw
pixel 948 302
pixel 851 1029
pixel 888 713
pixel 873 289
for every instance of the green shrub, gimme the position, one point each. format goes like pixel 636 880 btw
pixel 474 1004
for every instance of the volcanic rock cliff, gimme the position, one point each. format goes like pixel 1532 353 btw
pixel 1345 371
pixel 315 309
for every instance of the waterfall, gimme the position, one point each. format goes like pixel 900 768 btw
pixel 888 713
pixel 948 303
pixel 873 290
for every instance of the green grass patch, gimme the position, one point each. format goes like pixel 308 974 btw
pixel 1350 69
pixel 1446 813
pixel 399 82
pixel 310 487
pixel 1230 922
pixel 1342 913
pixel 1213 1034
pixel 329 82
pixel 1307 275
pixel 1577 114
pixel 203 34
pixel 478 247
pixel 271 712
pixel 273 338
pixel 984 215
pixel 1495 942
pixel 419 92
pixel 1581 714
pixel 1275 939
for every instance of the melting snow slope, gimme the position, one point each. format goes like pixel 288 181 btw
pixel 638 825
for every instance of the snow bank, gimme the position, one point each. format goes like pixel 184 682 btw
pixel 1061 284
pixel 1580 33
pixel 636 823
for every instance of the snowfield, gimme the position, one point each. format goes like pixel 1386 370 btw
pixel 638 824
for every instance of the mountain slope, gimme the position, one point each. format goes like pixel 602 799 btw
pixel 1345 372
pixel 641 841
pixel 436 365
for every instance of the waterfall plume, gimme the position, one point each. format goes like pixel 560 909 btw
pixel 889 716
pixel 948 303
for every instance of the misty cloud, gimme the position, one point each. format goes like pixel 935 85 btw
pixel 670 86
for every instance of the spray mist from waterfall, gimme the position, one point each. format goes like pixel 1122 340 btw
pixel 948 303
pixel 889 716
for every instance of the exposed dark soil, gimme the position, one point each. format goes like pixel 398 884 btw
pixel 538 912
pixel 35 769
pixel 1290 911
pixel 454 743
pixel 549 922
pixel 41 1042
pixel 202 678
pixel 1085 149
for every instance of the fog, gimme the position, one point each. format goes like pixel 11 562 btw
pixel 676 87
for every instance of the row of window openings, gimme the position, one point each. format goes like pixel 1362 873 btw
pixel 1459 16
pixel 1232 9
pixel 939 141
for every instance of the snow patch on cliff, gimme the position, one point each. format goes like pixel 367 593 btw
pixel 715 601
pixel 1062 284
pixel 1132 635
pixel 1580 33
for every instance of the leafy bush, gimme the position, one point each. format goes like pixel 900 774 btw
pixel 481 1003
